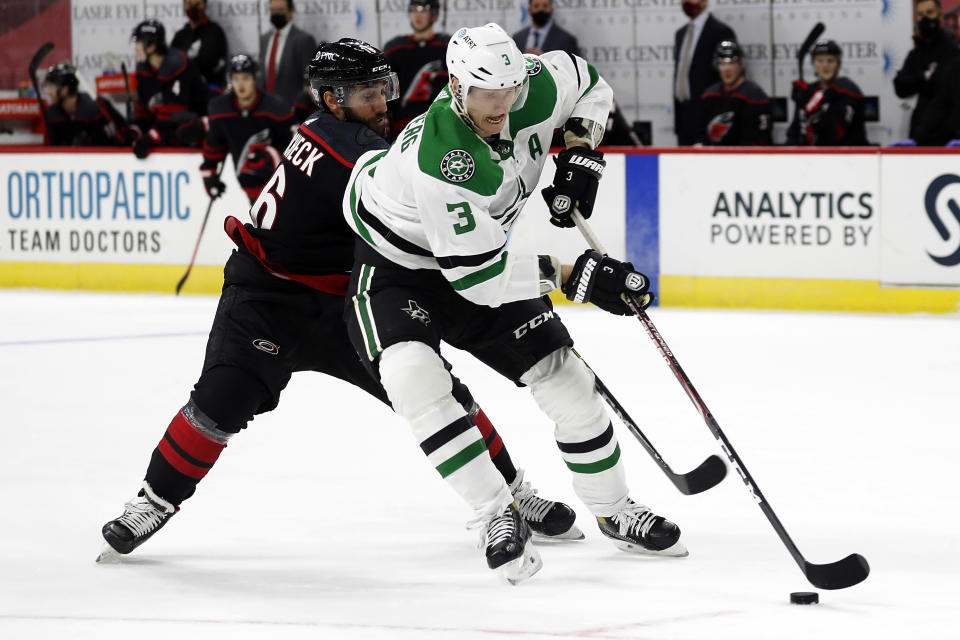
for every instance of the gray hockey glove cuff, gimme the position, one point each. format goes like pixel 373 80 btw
pixel 549 274
pixel 604 281
pixel 574 185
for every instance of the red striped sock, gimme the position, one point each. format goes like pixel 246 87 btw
pixel 188 450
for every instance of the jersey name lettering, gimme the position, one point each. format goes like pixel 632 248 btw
pixel 302 154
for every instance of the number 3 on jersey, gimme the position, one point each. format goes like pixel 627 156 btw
pixel 263 212
pixel 467 223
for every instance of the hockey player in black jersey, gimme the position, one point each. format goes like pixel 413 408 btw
pixel 282 304
pixel 418 60
pixel 247 122
pixel 828 112
pixel 734 111
pixel 76 119
pixel 170 90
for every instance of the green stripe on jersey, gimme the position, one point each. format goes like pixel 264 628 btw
pixel 361 228
pixel 475 278
pixel 467 454
pixel 598 466
pixel 361 303
pixel 541 100
pixel 443 133
pixel 594 76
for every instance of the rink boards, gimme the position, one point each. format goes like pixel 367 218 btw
pixel 866 230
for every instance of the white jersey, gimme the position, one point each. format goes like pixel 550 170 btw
pixel 443 198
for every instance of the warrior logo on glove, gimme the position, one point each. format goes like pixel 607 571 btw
pixel 575 183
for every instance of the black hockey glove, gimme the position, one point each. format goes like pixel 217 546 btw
pixel 147 141
pixel 603 280
pixel 574 185
pixel 212 183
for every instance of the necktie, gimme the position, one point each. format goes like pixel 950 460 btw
pixel 536 39
pixel 684 65
pixel 272 63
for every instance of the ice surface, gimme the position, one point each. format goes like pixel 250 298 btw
pixel 323 520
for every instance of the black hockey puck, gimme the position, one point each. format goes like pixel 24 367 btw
pixel 804 597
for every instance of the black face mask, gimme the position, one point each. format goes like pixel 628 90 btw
pixel 541 18
pixel 928 27
pixel 278 20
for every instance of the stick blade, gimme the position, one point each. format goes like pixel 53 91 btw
pixel 812 37
pixel 840 574
pixel 708 475
pixel 41 53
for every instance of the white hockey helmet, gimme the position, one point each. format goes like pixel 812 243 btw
pixel 485 58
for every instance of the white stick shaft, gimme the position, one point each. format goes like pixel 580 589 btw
pixel 587 232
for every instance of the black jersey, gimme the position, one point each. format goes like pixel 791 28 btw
pixel 303 106
pixel 206 46
pixel 174 87
pixel 739 117
pixel 94 123
pixel 230 127
pixel 827 117
pixel 422 73
pixel 298 231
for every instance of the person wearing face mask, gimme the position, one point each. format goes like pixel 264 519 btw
pixel 285 52
pixel 544 34
pixel 934 49
pixel 204 42
pixel 694 71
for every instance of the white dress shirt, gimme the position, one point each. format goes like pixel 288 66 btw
pixel 697 24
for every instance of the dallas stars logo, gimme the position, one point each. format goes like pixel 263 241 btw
pixel 457 166
pixel 416 312
pixel 532 66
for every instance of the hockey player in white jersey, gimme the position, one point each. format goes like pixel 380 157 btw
pixel 433 263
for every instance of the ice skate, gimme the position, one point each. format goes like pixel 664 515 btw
pixel 142 517
pixel 505 538
pixel 548 520
pixel 637 529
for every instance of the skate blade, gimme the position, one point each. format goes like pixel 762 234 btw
pixel 570 535
pixel 519 569
pixel 675 551
pixel 108 555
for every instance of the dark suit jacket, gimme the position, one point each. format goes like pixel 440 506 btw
pixel 558 39
pixel 298 51
pixel 702 74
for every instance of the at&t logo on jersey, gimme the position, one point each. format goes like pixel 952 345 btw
pixel 930 204
pixel 457 166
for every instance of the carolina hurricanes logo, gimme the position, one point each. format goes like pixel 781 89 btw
pixel 719 126
pixel 266 346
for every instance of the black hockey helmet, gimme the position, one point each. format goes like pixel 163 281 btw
pixel 337 66
pixel 242 63
pixel 826 47
pixel 150 32
pixel 62 75
pixel 727 50
pixel 433 4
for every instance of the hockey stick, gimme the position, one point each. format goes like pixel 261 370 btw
pixel 41 53
pixel 710 472
pixel 129 96
pixel 811 39
pixel 835 575
pixel 196 247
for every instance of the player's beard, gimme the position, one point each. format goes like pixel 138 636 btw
pixel 379 123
